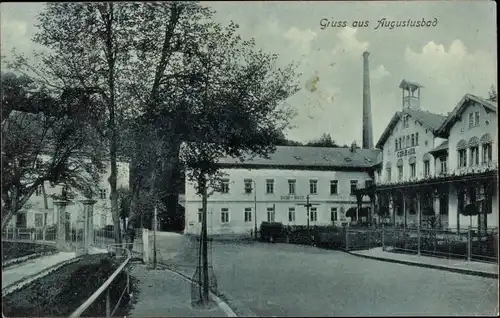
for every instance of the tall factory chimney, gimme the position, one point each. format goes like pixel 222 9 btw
pixel 367 112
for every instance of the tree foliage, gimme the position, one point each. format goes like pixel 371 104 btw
pixel 44 138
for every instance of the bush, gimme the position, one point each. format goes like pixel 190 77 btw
pixel 272 230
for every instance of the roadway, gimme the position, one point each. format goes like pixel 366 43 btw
pixel 289 280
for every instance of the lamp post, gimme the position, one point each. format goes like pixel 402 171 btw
pixel 255 208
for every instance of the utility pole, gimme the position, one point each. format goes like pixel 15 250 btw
pixel 154 236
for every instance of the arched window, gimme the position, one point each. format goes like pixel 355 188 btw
pixel 408 141
pixel 396 144
pixel 486 148
pixel 462 153
pixel 427 165
pixel 474 151
pixel 416 139
pixel 412 140
pixel 400 169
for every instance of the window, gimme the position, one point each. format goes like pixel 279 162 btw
pixel 38 219
pixel 444 165
pixel 248 185
pixel 354 186
pixel 413 170
pixel 313 186
pixel 333 214
pixel 38 191
pixel 427 168
pixel 474 156
pixel 412 140
pixel 270 214
pixel 269 186
pixel 224 215
pixel 400 173
pixel 401 146
pixel 396 144
pixel 200 215
pixel 388 174
pixel 408 141
pixel 471 120
pixel 102 194
pixel 248 214
pixel 334 186
pixel 314 214
pixel 487 153
pixel 416 139
pixel 476 119
pixel 225 186
pixel 291 186
pixel 291 214
pixel 462 158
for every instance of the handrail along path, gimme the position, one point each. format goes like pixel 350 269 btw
pixel 105 286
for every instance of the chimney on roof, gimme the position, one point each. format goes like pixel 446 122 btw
pixel 353 146
pixel 367 111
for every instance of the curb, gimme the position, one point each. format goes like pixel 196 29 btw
pixel 223 305
pixel 439 267
pixel 16 261
pixel 29 279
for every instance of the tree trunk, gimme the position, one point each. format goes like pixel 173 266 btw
pixel 45 203
pixel 204 245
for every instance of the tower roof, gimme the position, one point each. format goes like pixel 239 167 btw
pixel 409 85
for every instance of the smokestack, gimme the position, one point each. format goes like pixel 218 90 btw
pixel 367 112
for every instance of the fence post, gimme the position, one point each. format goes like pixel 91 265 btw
pixel 128 284
pixel 346 239
pixel 383 237
pixel 469 243
pixel 108 304
pixel 419 240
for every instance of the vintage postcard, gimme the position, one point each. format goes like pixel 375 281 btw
pixel 260 159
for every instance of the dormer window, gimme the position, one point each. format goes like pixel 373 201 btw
pixel 297 157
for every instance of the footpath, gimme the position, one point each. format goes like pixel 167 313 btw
pixel 16 276
pixel 164 293
pixel 459 266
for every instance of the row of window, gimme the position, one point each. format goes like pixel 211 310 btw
pixel 408 141
pixel 102 193
pixel 292 186
pixel 413 169
pixel 271 213
pixel 486 155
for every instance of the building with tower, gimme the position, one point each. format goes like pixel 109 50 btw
pixel 437 165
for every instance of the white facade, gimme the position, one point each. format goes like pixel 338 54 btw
pixel 240 216
pixel 482 130
pixel 470 128
pixel 34 214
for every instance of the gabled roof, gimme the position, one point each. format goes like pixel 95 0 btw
pixel 429 120
pixel 321 157
pixel 444 129
pixel 441 147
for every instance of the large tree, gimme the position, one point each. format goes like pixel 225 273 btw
pixel 45 137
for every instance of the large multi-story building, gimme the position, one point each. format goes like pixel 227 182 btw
pixel 437 165
pixel 275 189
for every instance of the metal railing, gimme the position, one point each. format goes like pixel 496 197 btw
pixel 118 250
pixel 472 244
